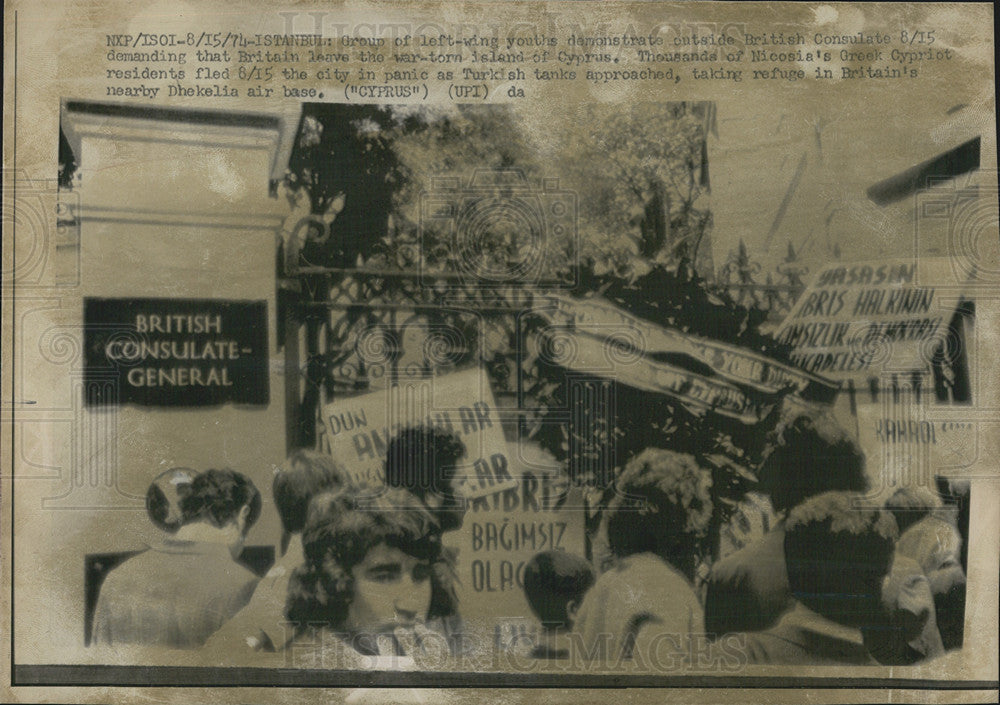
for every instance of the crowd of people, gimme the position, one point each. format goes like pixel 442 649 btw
pixel 360 567
pixel 363 572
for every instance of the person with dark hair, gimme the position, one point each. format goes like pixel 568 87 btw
pixel 222 499
pixel 163 498
pixel 425 460
pixel 837 555
pixel 657 522
pixel 748 590
pixel 555 583
pixel 367 583
pixel 179 592
pixel 260 625
pixel 306 474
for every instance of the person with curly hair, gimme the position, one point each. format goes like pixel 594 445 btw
pixel 838 554
pixel 368 580
pixel 425 461
pixel 179 592
pixel 646 604
pixel 164 496
pixel 748 590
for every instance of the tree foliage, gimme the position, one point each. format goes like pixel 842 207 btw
pixel 642 177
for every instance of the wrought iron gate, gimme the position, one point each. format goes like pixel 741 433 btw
pixel 347 331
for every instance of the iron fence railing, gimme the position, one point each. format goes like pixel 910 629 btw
pixel 347 331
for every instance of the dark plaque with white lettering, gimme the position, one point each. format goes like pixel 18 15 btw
pixel 175 352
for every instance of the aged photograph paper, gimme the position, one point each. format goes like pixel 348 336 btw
pixel 500 352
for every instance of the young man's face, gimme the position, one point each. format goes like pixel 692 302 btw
pixel 391 589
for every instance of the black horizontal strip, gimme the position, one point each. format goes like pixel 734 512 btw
pixel 243 677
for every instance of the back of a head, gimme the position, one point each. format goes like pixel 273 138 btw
pixel 217 496
pixel 813 454
pixel 911 504
pixel 553 580
pixel 304 475
pixel 164 497
pixel 837 555
pixel 423 460
pixel 662 505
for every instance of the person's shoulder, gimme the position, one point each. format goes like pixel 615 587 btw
pixel 769 647
pixel 656 572
pixel 222 564
pixel 738 560
pixel 129 570
pixel 658 585
pixel 601 596
pixel 114 582
pixel 608 580
pixel 648 564
pixel 638 574
pixel 213 575
pixel 728 568
pixel 244 577
pixel 763 556
pixel 761 647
